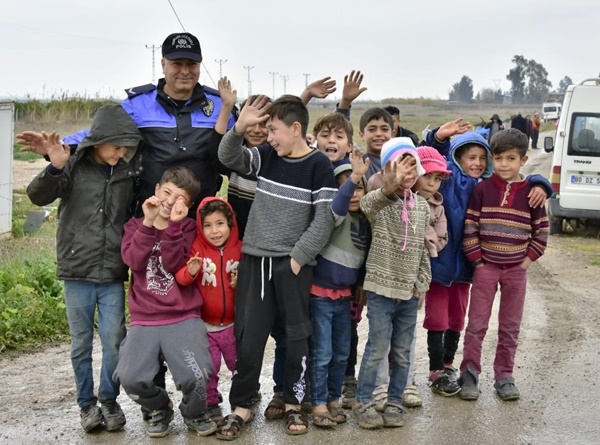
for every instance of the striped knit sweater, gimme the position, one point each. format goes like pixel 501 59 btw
pixel 500 227
pixel 391 271
pixel 291 212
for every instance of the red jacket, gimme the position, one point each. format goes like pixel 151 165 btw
pixel 213 279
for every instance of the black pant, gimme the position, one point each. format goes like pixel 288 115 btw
pixel 267 287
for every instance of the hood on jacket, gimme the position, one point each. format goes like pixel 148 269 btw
pixel 470 137
pixel 112 123
pixel 234 232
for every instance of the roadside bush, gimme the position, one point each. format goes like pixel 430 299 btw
pixel 32 310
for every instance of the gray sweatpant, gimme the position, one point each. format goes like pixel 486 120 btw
pixel 184 346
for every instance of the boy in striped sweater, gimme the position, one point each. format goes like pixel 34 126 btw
pixel 503 235
pixel 288 225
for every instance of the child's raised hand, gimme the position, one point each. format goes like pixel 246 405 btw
pixel 360 165
pixel 150 207
pixel 194 264
pixel 395 172
pixel 33 142
pixel 228 95
pixel 253 112
pixel 352 88
pixel 179 210
pixel 452 128
pixel 319 88
pixel 58 154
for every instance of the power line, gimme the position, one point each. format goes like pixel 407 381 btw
pixel 306 78
pixel 175 12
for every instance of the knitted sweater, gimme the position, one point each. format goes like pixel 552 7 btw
pixel 394 271
pixel 291 212
pixel 500 227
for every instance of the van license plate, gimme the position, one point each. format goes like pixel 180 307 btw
pixel 582 179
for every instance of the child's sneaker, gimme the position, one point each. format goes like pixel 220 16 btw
pixel 441 383
pixel 91 417
pixel 380 397
pixel 451 370
pixel 114 419
pixel 158 425
pixel 202 425
pixel 393 415
pixel 468 384
pixel 411 397
pixel 506 389
pixel 367 417
pixel 349 392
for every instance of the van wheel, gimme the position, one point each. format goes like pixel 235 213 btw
pixel 556 225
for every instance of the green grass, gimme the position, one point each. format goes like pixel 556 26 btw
pixel 24 155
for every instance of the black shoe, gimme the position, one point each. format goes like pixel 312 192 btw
pixel 445 386
pixel 158 425
pixel 114 419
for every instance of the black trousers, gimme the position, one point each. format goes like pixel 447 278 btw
pixel 267 287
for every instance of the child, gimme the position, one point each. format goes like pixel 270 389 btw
pixel 96 187
pixel 289 224
pixel 398 271
pixel 375 129
pixel 503 235
pixel 213 262
pixel 337 272
pixel 165 318
pixel 333 134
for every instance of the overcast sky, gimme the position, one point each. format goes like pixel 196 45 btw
pixel 404 48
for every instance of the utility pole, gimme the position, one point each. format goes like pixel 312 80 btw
pixel 153 48
pixel 249 81
pixel 285 78
pixel 221 62
pixel 306 79
pixel 273 73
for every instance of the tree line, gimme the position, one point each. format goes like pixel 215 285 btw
pixel 529 84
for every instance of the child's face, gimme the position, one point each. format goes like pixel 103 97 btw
pixel 215 228
pixel 108 153
pixel 256 135
pixel 334 143
pixel 168 193
pixel 428 184
pixel 281 137
pixel 473 161
pixel 507 164
pixel 358 193
pixel 377 132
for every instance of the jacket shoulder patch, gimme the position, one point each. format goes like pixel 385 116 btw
pixel 135 91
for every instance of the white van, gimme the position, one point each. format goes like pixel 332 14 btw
pixel 551 111
pixel 575 174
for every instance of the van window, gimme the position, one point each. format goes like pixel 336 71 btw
pixel 549 109
pixel 584 139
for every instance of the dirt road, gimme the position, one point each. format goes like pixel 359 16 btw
pixel 557 372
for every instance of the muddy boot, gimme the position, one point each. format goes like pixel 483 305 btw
pixel 468 383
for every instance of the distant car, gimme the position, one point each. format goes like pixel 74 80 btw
pixel 551 111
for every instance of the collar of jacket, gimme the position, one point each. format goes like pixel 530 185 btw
pixel 196 102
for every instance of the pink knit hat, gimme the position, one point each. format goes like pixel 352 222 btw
pixel 432 161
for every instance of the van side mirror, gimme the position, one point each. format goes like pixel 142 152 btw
pixel 548 144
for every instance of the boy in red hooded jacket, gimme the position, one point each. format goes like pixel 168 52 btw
pixel 213 263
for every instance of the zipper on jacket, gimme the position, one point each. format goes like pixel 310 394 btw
pixel 223 281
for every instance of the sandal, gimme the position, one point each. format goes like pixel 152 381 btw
pixel 276 407
pixel 232 423
pixel 323 419
pixel 295 417
pixel 337 413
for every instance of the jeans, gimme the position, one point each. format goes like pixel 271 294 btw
pixel 81 299
pixel 330 347
pixel 391 323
